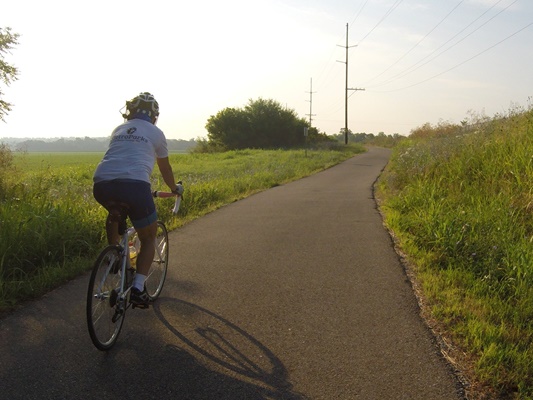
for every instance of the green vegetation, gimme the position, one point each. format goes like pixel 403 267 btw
pixel 380 140
pixel 8 72
pixel 51 228
pixel 459 200
pixel 261 124
pixel 83 145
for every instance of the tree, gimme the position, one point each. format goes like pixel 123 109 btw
pixel 228 129
pixel 8 73
pixel 274 126
pixel 261 124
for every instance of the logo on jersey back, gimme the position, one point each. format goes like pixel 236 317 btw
pixel 131 131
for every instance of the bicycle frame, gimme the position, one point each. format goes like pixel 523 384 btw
pixel 125 263
pixel 124 241
pixel 111 281
pixel 124 244
pixel 124 255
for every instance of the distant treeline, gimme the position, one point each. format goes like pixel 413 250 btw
pixel 381 139
pixel 86 144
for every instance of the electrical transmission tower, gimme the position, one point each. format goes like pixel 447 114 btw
pixel 346 89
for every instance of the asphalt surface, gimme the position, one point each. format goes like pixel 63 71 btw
pixel 293 293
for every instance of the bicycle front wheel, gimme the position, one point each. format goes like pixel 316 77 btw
pixel 158 270
pixel 105 308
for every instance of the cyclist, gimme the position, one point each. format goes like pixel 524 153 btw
pixel 123 176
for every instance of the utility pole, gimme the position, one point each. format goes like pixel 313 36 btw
pixel 311 115
pixel 346 89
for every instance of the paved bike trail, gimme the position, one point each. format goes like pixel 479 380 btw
pixel 293 293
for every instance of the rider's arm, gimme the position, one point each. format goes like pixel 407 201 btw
pixel 166 172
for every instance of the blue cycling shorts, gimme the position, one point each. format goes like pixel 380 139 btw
pixel 136 194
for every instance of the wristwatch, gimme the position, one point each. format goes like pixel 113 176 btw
pixel 179 189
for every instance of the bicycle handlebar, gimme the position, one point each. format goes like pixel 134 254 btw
pixel 178 196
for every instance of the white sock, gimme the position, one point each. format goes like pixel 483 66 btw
pixel 138 281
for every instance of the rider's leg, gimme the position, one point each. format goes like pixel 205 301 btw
pixel 102 192
pixel 111 228
pixel 146 254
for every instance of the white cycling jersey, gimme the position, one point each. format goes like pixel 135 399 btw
pixel 132 152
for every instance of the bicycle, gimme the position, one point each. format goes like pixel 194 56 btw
pixel 112 276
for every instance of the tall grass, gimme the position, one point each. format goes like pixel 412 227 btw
pixel 460 202
pixel 51 228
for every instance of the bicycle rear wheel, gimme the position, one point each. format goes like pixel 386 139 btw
pixel 158 270
pixel 105 309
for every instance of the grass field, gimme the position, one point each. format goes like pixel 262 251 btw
pixel 51 228
pixel 43 161
pixel 460 203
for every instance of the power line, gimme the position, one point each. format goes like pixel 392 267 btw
pixel 428 58
pixel 323 82
pixel 346 91
pixel 331 65
pixel 460 64
pixel 420 41
pixel 359 12
pixel 391 9
pixel 416 66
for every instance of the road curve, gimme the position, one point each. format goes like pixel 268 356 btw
pixel 293 293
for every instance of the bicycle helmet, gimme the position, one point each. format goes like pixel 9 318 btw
pixel 144 104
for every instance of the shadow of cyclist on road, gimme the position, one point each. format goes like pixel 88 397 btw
pixel 250 370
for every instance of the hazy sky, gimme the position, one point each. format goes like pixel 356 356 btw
pixel 419 61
